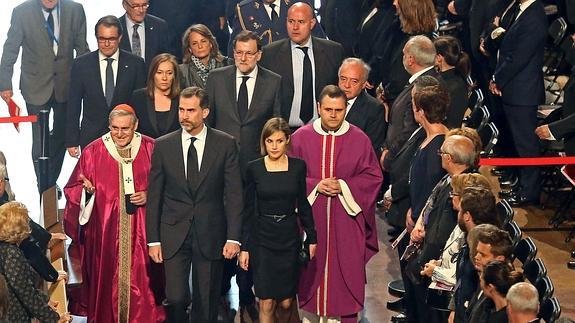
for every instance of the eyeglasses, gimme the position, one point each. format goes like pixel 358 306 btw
pixel 109 40
pixel 117 130
pixel 241 54
pixel 441 153
pixel 452 194
pixel 138 6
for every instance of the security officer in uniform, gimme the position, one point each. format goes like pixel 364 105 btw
pixel 267 18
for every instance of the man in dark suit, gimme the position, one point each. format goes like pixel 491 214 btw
pixel 418 59
pixel 306 64
pixel 179 14
pixel 267 18
pixel 518 79
pixel 238 113
pixel 48 31
pixel 145 33
pixel 363 110
pixel 194 170
pixel 341 20
pixel 100 80
pixel 243 97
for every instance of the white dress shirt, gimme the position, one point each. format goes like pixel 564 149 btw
pixel 199 144
pixel 141 32
pixel 104 64
pixel 56 31
pixel 350 103
pixel 276 9
pixel 297 57
pixel 250 83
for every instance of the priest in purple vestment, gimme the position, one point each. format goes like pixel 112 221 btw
pixel 105 216
pixel 343 180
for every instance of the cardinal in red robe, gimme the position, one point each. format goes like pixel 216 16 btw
pixel 343 180
pixel 105 216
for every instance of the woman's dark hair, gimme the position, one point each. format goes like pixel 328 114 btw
pixel 450 49
pixel 501 275
pixel 417 16
pixel 154 65
pixel 270 127
pixel 434 101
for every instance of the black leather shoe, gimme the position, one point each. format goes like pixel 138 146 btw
pixel 505 194
pixel 396 306
pixel 571 265
pixel 399 318
pixel 572 254
pixel 396 288
pixel 499 171
pixel 509 182
pixel 520 200
pixel 380 204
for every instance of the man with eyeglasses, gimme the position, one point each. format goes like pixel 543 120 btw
pixel 120 73
pixel 243 97
pixel 48 31
pixel 105 216
pixel 436 222
pixel 146 34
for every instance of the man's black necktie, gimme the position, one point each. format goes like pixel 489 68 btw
pixel 50 22
pixel 136 45
pixel 306 109
pixel 192 165
pixel 243 99
pixel 274 15
pixel 109 93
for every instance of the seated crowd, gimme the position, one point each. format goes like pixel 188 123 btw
pixel 269 164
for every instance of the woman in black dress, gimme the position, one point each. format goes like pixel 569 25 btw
pixel 156 105
pixel 275 198
pixel 25 301
pixel 454 66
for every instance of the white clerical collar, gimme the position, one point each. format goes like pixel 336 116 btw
pixel 342 130
pixel 418 74
pixel 201 136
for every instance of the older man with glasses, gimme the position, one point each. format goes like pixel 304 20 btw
pixel 120 73
pixel 145 33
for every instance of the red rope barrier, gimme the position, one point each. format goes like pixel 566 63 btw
pixel 32 118
pixel 535 161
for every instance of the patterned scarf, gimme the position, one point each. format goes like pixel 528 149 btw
pixel 202 69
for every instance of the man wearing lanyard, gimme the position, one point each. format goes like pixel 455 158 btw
pixel 48 31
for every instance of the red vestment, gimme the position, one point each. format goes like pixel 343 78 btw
pixel 333 283
pixel 97 242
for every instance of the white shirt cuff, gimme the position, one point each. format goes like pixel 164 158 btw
pixel 153 244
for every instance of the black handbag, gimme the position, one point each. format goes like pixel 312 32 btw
pixel 303 254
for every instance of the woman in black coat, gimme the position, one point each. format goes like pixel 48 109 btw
pixel 454 66
pixel 156 105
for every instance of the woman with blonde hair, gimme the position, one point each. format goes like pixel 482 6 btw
pixel 201 55
pixel 25 301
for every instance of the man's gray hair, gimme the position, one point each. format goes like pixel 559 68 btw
pixel 461 150
pixel 422 50
pixel 121 113
pixel 354 60
pixel 523 297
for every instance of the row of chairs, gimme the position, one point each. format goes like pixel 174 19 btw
pixel 534 270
